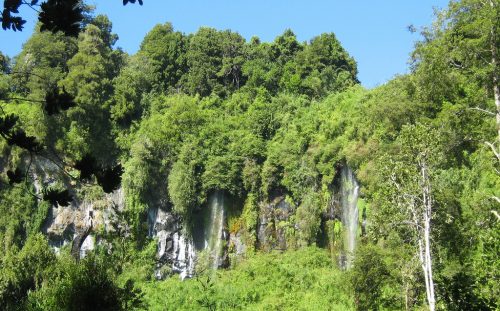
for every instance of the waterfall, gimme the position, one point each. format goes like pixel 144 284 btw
pixel 349 190
pixel 215 230
pixel 152 221
pixel 184 255
pixel 87 246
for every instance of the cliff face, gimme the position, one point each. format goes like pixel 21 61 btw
pixel 66 223
pixel 207 243
pixel 176 252
pixel 274 217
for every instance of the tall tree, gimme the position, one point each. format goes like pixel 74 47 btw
pixel 472 31
pixel 411 176
pixel 260 67
pixel 324 66
pixel 232 59
pixel 42 63
pixel 89 80
pixel 165 51
pixel 462 48
pixel 459 62
pixel 133 84
pixel 204 58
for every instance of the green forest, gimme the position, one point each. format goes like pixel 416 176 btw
pixel 211 172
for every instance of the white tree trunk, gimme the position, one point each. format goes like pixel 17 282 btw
pixel 496 94
pixel 419 208
pixel 425 238
pixel 428 262
pixel 496 90
pixel 494 63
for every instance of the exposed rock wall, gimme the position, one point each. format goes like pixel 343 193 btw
pixel 176 252
pixel 178 247
pixel 66 223
pixel 271 233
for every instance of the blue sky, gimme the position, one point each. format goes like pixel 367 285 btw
pixel 373 32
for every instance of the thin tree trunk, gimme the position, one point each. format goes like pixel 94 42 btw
pixel 494 63
pixel 406 297
pixel 431 297
pixel 425 253
pixel 496 90
pixel 423 263
pixel 497 103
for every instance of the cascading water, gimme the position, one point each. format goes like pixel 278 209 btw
pixel 349 191
pixel 215 230
pixel 185 256
pixel 87 246
pixel 175 246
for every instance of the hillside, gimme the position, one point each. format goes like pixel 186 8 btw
pixel 211 172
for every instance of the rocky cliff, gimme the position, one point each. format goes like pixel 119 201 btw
pixel 208 243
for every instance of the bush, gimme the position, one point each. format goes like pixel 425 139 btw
pixel 368 275
pixel 305 279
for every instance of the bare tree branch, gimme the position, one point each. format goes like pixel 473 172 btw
pixel 496 214
pixel 482 110
pixel 497 154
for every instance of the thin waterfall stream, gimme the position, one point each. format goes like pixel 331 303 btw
pixel 349 193
pixel 215 230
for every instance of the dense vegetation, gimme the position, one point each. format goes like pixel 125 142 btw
pixel 297 280
pixel 188 115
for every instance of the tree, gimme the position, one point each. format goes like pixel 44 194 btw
pixel 411 178
pixel 473 34
pixel 182 187
pixel 42 63
pixel 367 277
pixel 4 77
pixel 459 59
pixel 54 15
pixel 87 285
pixel 232 60
pixel 326 67
pixel 204 58
pixel 4 63
pixel 89 80
pixel 131 87
pixel 286 46
pixel 260 69
pixel 23 271
pixel 457 68
pixel 42 76
pixel 165 52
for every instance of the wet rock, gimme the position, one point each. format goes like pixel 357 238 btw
pixel 270 233
pixel 176 253
pixel 64 224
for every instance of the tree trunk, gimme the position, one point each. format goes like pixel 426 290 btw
pixel 428 262
pixel 497 103
pixel 425 249
pixel 494 63
pixel 496 90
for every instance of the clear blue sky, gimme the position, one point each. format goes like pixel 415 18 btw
pixel 374 32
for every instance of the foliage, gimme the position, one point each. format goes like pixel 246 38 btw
pixel 305 279
pixel 55 15
pixel 368 275
pixel 23 271
pixel 84 286
pixel 193 114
